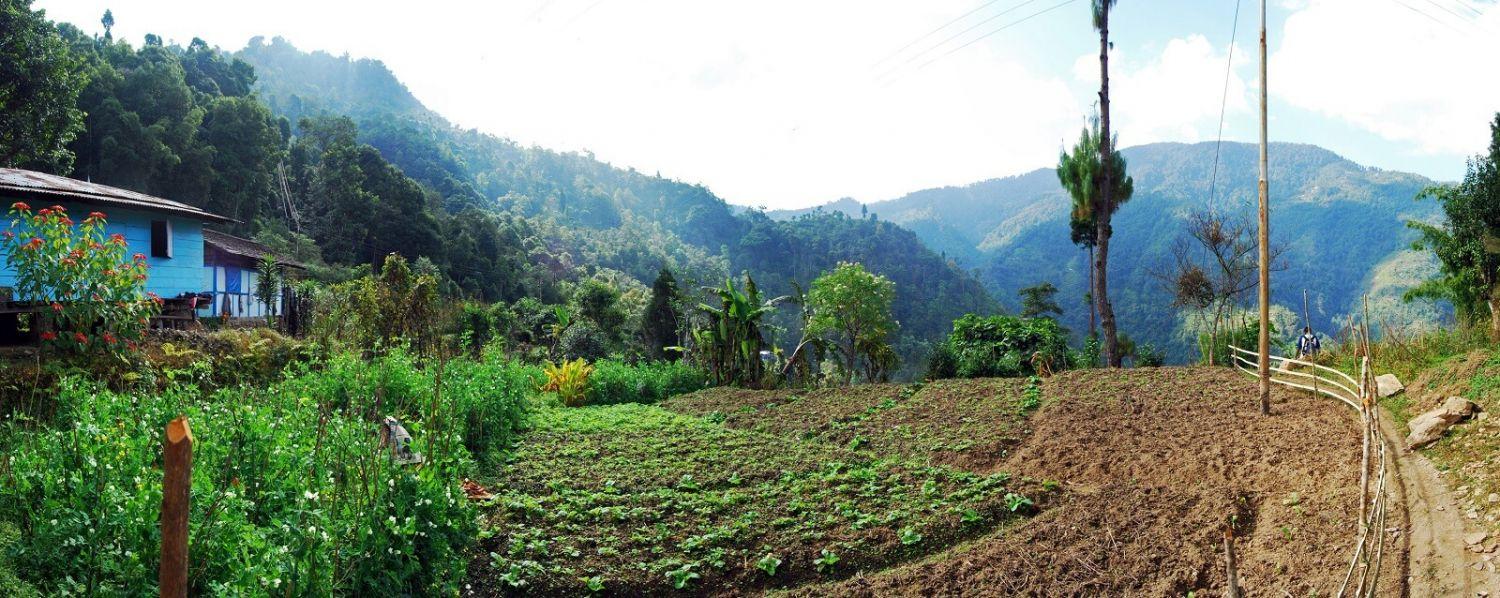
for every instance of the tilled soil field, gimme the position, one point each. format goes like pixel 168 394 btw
pixel 1155 464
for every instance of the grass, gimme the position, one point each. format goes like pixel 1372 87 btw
pixel 636 499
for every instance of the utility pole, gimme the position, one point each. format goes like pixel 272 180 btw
pixel 1265 235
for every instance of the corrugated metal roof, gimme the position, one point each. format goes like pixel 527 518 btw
pixel 243 247
pixel 27 182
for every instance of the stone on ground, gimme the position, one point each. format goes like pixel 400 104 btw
pixel 1388 385
pixel 1429 427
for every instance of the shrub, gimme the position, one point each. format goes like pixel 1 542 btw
pixel 570 380
pixel 290 495
pixel 1000 346
pixel 97 297
pixel 583 340
pixel 614 382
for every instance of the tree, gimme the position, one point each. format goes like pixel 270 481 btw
pixel 1213 265
pixel 108 21
pixel 1038 301
pixel 1102 191
pixel 1108 199
pixel 40 78
pixel 659 327
pixel 852 307
pixel 731 343
pixel 1465 245
pixel 267 285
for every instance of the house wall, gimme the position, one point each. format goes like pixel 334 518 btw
pixel 167 277
pixel 240 304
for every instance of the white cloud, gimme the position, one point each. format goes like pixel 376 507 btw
pixel 1423 79
pixel 1173 96
pixel 770 103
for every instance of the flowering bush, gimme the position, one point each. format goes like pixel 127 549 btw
pixel 96 295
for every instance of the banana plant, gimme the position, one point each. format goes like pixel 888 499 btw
pixel 731 343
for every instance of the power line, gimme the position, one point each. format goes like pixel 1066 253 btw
pixel 930 33
pixel 998 30
pixel 1213 181
pixel 1468 19
pixel 914 57
pixel 1430 17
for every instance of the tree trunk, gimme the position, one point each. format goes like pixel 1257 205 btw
pixel 1093 307
pixel 1103 209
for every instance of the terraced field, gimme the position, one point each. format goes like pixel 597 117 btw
pixel 1088 483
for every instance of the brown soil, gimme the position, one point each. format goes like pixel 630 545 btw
pixel 1155 463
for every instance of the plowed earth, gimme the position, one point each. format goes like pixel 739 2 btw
pixel 1154 464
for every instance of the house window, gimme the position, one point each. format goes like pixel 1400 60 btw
pixel 161 238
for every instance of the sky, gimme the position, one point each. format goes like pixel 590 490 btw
pixel 792 103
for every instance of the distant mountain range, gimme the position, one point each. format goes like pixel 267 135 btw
pixel 1343 226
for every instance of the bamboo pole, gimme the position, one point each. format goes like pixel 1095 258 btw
pixel 1265 234
pixel 177 478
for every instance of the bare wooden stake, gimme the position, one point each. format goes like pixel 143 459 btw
pixel 177 479
pixel 1229 562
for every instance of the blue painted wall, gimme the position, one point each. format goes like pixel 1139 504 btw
pixel 168 277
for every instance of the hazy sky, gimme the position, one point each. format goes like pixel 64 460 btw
pixel 787 103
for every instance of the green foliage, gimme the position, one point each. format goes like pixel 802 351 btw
pixel 614 382
pixel 583 340
pixel 1039 300
pixel 268 280
pixel 729 346
pixel 570 380
pixel 591 488
pixel 291 492
pixel 1465 243
pixel 660 327
pixel 39 90
pixel 1001 346
pixel 97 297
pixel 852 308
pixel 373 313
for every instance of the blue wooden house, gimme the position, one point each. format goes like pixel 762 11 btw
pixel 169 233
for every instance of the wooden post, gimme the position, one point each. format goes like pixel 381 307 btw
pixel 177 478
pixel 1229 563
pixel 1265 234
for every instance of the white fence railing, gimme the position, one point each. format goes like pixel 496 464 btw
pixel 1358 394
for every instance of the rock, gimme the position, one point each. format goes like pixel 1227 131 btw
pixel 1388 385
pixel 1475 538
pixel 1492 498
pixel 1429 427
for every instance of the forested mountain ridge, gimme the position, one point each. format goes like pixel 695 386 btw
pixel 611 217
pixel 1342 225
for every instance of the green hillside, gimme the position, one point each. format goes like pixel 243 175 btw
pixel 1343 226
pixel 619 218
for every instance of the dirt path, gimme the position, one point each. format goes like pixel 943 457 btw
pixel 1437 564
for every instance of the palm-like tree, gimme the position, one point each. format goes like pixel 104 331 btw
pixel 731 343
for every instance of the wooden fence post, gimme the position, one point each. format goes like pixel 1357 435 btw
pixel 177 478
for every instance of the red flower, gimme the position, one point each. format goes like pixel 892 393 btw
pixel 117 239
pixel 49 336
pixel 68 221
pixel 82 340
pixel 8 234
pixel 109 271
pixel 57 307
pixel 109 338
pixel 59 209
pixel 44 212
pixel 20 206
pixel 36 243
pixel 130 344
pixel 140 277
pixel 96 215
pixel 139 257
